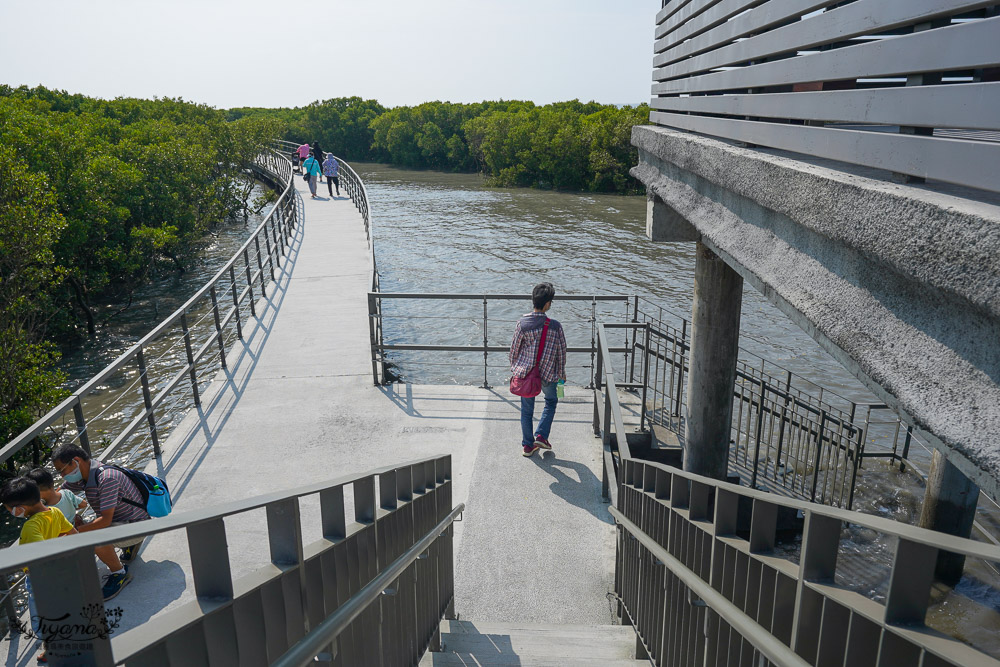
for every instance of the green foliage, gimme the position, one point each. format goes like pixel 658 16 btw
pixel 30 226
pixel 567 145
pixel 93 194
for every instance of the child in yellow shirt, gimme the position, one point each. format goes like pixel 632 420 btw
pixel 23 499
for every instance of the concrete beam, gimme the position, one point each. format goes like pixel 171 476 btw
pixel 900 283
pixel 665 224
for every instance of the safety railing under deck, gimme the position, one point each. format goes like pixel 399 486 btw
pixel 370 589
pixel 907 86
pixel 704 577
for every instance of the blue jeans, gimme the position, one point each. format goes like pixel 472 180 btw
pixel 548 414
pixel 32 610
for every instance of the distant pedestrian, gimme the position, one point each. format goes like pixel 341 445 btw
pixel 295 160
pixel 317 152
pixel 312 168
pixel 303 151
pixel 538 342
pixel 330 170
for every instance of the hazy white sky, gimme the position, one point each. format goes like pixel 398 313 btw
pixel 231 53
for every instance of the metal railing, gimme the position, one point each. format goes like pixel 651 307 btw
pixel 366 592
pixel 580 323
pixel 703 576
pixel 903 85
pixel 787 432
pixel 203 326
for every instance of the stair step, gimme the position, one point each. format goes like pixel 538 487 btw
pixel 498 644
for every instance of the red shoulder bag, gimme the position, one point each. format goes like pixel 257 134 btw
pixel 531 384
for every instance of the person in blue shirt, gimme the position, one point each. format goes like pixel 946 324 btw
pixel 313 170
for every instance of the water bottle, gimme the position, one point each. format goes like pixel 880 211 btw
pixel 560 389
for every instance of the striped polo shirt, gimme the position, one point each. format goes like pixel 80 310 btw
pixel 106 488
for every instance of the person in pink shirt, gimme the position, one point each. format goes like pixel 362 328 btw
pixel 304 150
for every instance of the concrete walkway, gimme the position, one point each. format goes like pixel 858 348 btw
pixel 297 405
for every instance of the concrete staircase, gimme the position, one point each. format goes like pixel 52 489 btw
pixel 467 643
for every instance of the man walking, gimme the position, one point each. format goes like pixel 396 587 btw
pixel 551 360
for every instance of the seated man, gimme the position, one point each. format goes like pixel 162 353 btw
pixel 113 497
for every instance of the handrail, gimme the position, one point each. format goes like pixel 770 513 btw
pixel 772 648
pixel 695 528
pixel 279 218
pixel 391 504
pixel 305 651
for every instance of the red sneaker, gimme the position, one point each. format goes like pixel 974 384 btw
pixel 542 442
pixel 529 450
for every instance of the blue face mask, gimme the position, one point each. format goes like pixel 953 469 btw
pixel 75 476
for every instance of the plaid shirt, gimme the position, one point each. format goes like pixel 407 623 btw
pixel 524 351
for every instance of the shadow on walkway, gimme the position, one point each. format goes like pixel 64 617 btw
pixel 584 491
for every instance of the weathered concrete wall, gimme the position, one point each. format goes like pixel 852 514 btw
pixel 900 283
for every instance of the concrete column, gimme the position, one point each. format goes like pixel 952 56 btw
pixel 949 507
pixel 715 335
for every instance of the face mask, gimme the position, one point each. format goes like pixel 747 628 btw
pixel 75 476
pixel 18 512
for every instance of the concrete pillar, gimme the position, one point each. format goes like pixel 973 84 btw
pixel 715 335
pixel 949 507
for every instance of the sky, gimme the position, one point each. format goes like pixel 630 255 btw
pixel 230 53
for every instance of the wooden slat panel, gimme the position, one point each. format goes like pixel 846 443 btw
pixel 689 11
pixel 666 12
pixel 720 14
pixel 860 18
pixel 757 19
pixel 970 163
pixel 970 106
pixel 963 46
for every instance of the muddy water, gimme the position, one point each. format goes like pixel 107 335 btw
pixel 447 233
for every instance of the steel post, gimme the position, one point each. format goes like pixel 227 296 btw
pixel 81 425
pixel 236 302
pixel 190 359
pixel 246 263
pixel 218 327
pixel 148 401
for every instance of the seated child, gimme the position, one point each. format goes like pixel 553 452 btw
pixel 22 499
pixel 65 500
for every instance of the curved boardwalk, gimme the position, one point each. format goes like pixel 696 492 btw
pixel 297 405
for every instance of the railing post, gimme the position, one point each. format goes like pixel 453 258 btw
pixel 635 320
pixel 371 336
pixel 270 253
pixel 190 359
pixel 486 354
pixel 236 301
pixel 757 430
pixel 680 369
pixel 278 245
pixel 218 326
pixel 819 450
pixel 645 378
pixel 260 266
pixel 148 401
pixel 246 263
pixel 81 425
